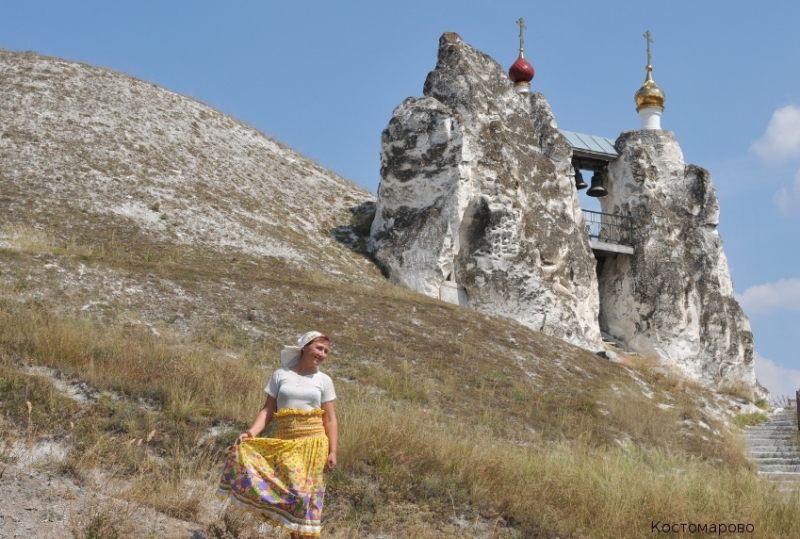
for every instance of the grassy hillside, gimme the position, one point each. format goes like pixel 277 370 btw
pixel 154 256
pixel 86 151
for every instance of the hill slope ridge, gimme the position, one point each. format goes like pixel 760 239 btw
pixel 83 147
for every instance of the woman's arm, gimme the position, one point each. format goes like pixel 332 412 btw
pixel 332 430
pixel 262 419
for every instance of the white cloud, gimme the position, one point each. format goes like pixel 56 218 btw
pixel 788 200
pixel 780 381
pixel 763 298
pixel 781 141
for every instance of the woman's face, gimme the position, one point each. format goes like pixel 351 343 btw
pixel 314 353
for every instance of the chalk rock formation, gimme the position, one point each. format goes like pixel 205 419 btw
pixel 477 191
pixel 673 298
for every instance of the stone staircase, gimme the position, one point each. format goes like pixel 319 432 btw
pixel 772 447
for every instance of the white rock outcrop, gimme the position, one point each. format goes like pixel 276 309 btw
pixel 673 298
pixel 477 193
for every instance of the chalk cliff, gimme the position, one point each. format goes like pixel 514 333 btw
pixel 477 192
pixel 672 298
pixel 477 196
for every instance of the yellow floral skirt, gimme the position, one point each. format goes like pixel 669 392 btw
pixel 282 479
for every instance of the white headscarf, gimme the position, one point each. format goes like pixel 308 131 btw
pixel 290 355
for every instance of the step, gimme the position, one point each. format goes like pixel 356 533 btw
pixel 774 455
pixel 788 430
pixel 778 460
pixel 788 450
pixel 775 447
pixel 785 468
pixel 765 440
pixel 781 476
pixel 773 450
pixel 770 441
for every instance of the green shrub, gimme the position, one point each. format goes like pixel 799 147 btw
pixel 746 420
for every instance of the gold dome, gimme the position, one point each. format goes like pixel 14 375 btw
pixel 649 95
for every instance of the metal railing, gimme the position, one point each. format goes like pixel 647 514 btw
pixel 797 404
pixel 608 227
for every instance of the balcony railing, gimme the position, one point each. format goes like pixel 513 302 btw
pixel 608 227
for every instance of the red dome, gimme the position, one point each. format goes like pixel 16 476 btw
pixel 521 71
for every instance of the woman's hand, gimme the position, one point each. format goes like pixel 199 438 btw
pixel 331 464
pixel 243 436
pixel 332 432
pixel 263 419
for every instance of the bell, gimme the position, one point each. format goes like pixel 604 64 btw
pixel 597 189
pixel 579 183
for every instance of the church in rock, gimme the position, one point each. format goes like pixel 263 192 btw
pixel 478 205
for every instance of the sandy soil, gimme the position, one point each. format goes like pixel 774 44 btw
pixel 37 504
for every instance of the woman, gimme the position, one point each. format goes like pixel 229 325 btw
pixel 282 478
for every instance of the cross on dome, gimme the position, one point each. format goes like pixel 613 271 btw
pixel 521 72
pixel 649 40
pixel 521 23
pixel 650 98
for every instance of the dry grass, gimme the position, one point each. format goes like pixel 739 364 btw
pixel 28 239
pixel 738 389
pixel 103 524
pixel 454 423
pixel 555 489
pixel 457 439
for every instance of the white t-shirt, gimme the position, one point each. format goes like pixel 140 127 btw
pixel 301 392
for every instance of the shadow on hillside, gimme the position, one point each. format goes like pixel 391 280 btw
pixel 355 236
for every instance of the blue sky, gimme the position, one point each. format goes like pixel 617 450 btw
pixel 324 77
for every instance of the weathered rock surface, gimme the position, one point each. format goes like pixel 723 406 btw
pixel 477 189
pixel 673 298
